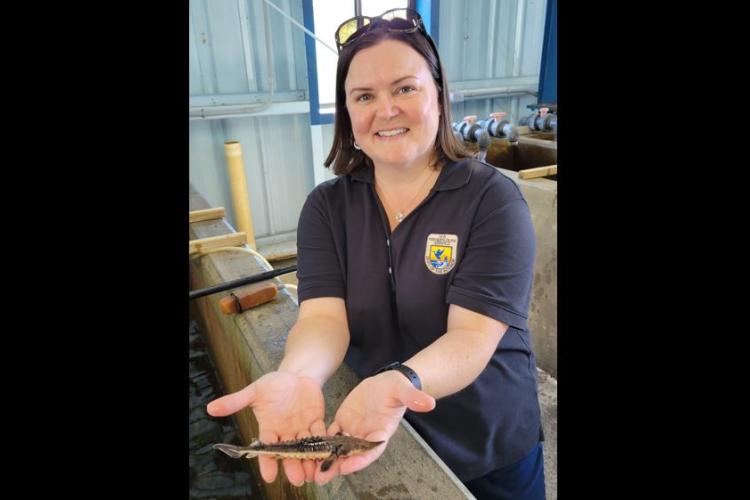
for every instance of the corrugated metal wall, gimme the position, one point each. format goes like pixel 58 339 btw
pixel 483 43
pixel 493 41
pixel 228 64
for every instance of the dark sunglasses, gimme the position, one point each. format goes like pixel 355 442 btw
pixel 394 20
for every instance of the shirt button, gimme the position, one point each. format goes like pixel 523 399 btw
pixel 388 242
pixel 389 271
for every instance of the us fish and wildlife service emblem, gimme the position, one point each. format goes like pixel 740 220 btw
pixel 440 252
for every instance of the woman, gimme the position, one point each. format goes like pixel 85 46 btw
pixel 415 266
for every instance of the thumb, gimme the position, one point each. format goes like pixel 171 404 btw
pixel 416 400
pixel 232 403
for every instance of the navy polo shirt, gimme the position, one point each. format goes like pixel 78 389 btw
pixel 470 243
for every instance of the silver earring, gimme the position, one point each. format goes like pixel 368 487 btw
pixel 356 146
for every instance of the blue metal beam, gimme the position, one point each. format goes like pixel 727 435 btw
pixel 430 12
pixel 548 71
pixel 312 68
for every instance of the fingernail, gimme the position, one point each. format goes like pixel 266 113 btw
pixel 418 403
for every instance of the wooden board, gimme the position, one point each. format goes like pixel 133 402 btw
pixel 206 214
pixel 281 250
pixel 532 173
pixel 525 139
pixel 223 240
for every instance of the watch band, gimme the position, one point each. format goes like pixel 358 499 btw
pixel 408 372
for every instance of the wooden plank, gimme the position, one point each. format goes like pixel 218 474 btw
pixel 281 250
pixel 206 214
pixel 248 345
pixel 525 139
pixel 532 173
pixel 224 240
pixel 282 256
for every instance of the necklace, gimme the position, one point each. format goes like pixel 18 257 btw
pixel 399 215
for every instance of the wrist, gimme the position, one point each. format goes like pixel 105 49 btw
pixel 301 372
pixel 406 371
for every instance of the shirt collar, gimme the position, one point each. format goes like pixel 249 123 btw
pixel 453 176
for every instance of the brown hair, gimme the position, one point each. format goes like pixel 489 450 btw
pixel 343 155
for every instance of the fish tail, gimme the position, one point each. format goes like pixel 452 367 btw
pixel 236 451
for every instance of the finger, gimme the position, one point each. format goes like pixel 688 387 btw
pixel 269 467
pixel 358 462
pixel 232 403
pixel 293 466
pixel 416 400
pixel 293 470
pixel 308 466
pixel 318 428
pixel 334 428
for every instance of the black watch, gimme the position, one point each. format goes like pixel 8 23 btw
pixel 408 372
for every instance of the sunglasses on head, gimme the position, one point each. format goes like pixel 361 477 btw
pixel 394 20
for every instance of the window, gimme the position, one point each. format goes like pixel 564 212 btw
pixel 327 16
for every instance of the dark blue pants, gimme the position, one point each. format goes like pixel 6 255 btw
pixel 522 480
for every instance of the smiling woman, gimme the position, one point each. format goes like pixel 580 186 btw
pixel 392 102
pixel 392 113
pixel 415 266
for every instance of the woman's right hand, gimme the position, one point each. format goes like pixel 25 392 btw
pixel 287 406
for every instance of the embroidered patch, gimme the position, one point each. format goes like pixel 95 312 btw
pixel 440 252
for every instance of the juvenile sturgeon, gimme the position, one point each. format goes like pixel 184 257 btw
pixel 328 448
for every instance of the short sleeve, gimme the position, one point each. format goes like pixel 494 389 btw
pixel 494 276
pixel 319 271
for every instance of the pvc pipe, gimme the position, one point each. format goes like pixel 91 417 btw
pixel 238 184
pixel 490 93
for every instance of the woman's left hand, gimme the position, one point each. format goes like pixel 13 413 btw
pixel 372 411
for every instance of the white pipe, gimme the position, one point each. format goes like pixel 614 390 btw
pixel 491 92
pixel 276 109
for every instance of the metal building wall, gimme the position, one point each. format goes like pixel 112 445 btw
pixel 492 43
pixel 228 65
pixel 483 43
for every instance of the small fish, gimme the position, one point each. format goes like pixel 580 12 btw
pixel 317 447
